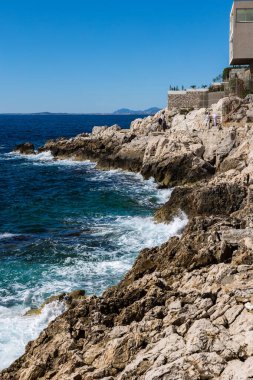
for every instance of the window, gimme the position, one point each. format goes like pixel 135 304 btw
pixel 244 15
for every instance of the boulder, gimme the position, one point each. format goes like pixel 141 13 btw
pixel 25 148
pixel 215 198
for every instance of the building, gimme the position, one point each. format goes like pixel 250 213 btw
pixel 240 79
pixel 241 33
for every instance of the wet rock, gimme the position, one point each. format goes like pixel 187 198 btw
pixel 25 148
pixel 70 299
pixel 214 198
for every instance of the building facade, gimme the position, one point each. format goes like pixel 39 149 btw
pixel 241 33
pixel 240 81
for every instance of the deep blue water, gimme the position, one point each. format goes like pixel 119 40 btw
pixel 64 225
pixel 40 128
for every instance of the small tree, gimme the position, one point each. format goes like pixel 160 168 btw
pixel 218 78
pixel 225 75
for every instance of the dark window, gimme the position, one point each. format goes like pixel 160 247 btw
pixel 244 15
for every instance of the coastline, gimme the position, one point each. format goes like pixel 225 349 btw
pixel 178 311
pixel 122 226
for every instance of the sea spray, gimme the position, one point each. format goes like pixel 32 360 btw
pixel 7 235
pixel 16 330
pixel 132 234
pixel 63 226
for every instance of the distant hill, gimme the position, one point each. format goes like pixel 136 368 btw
pixel 126 111
pixel 122 111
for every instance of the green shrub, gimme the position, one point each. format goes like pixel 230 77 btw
pixel 226 72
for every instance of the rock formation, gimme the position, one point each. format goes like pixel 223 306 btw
pixel 185 309
pixel 26 148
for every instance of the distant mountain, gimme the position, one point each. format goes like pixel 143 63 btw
pixel 122 111
pixel 126 111
pixel 43 113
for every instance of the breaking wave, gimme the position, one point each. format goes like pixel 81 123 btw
pixel 74 227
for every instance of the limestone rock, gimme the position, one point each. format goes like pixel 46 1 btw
pixel 185 309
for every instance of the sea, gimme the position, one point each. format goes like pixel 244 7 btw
pixel 65 225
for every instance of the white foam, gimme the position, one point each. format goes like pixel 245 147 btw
pixel 17 330
pixel 43 157
pixel 7 235
pixel 46 158
pixel 163 195
pixel 72 162
pixel 88 267
pixel 140 232
pixel 94 268
pixel 145 194
pixel 128 235
pixel 10 156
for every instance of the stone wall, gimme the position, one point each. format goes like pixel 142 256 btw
pixel 240 73
pixel 214 97
pixel 193 99
pixel 188 99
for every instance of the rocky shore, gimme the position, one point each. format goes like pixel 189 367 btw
pixel 185 309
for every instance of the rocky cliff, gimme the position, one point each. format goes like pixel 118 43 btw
pixel 185 310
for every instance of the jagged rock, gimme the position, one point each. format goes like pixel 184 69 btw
pixel 238 370
pixel 25 148
pixel 184 310
pixel 214 198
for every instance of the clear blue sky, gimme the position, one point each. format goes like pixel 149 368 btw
pixel 100 55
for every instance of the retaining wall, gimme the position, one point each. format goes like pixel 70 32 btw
pixel 193 98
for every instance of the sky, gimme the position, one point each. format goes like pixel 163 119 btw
pixel 90 56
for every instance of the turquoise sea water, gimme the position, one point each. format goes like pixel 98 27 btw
pixel 64 225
